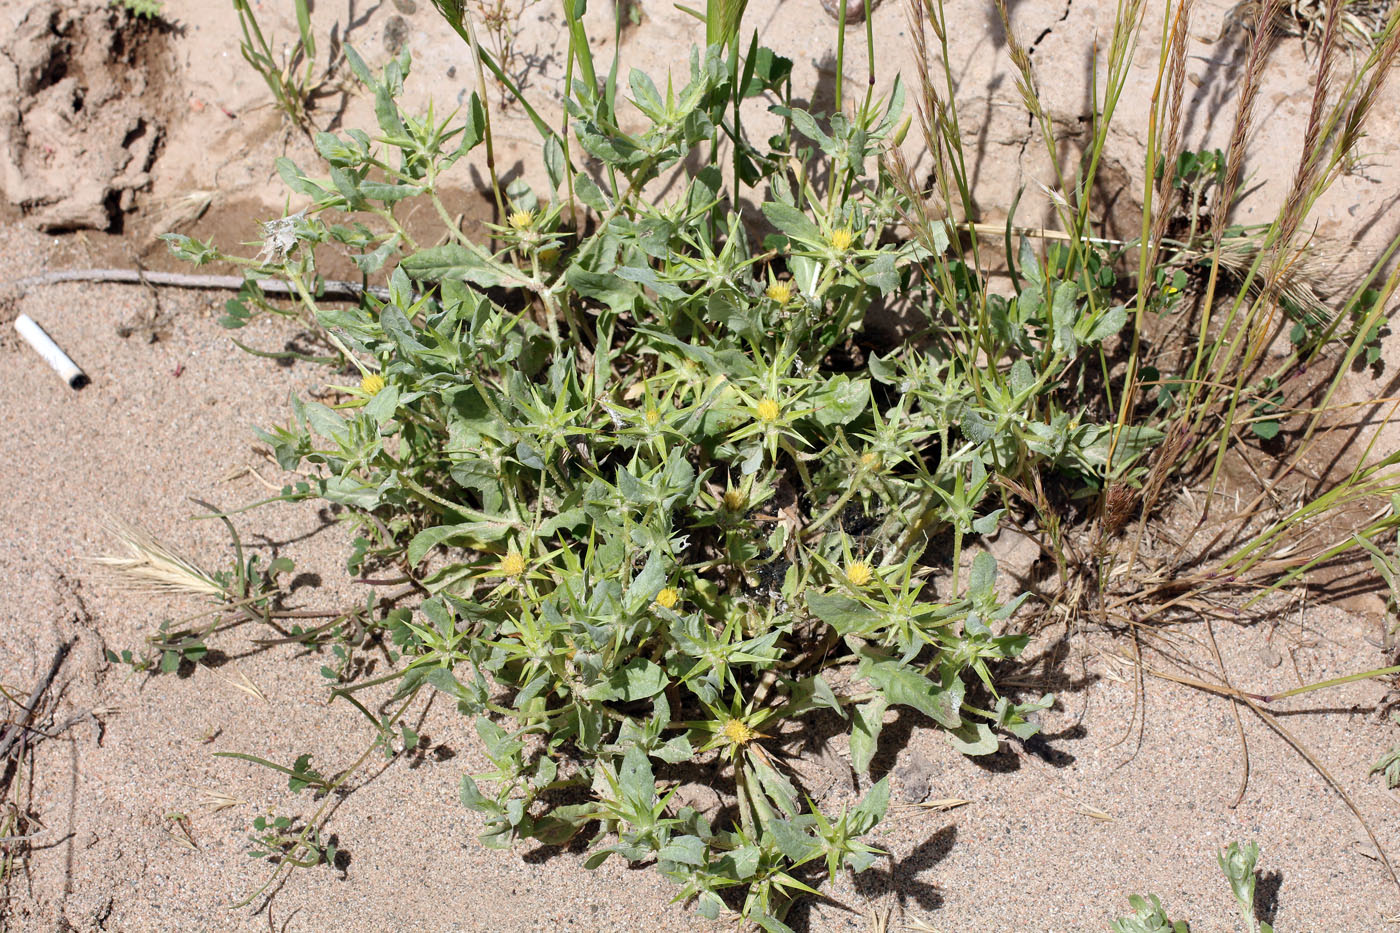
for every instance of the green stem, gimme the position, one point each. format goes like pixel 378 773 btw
pixel 303 838
pixel 1334 682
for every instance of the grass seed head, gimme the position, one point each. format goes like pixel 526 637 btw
pixel 1120 504
pixel 152 565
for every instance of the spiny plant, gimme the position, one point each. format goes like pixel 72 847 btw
pixel 638 585
pixel 661 493
pixel 620 464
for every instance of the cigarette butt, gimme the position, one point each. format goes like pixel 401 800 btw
pixel 62 364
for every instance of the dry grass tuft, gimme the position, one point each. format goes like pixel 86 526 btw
pixel 153 566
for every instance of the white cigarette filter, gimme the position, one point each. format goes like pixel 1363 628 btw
pixel 52 353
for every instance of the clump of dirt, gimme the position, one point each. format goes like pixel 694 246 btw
pixel 81 90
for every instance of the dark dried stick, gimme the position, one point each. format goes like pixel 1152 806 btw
pixel 20 726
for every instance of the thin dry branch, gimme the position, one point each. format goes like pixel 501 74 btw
pixel 10 738
pixel 1239 724
pixel 1272 722
pixel 334 290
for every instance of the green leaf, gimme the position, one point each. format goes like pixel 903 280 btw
pixel 645 96
pixel 904 686
pixel 1109 323
pixel 590 194
pixel 636 779
pixel 842 401
pixel 882 274
pixel 379 191
pixel 867 720
pixel 349 490
pixel 640 679
pixel 872 807
pixel 1237 862
pixel 806 124
pixel 383 406
pixel 563 823
pixel 648 583
pixel 791 221
pixel 743 862
pixel 675 751
pixel 467 534
pixel 1021 378
pixel 474 130
pixel 847 615
pixel 1133 441
pixel 769 71
pixel 1064 308
pixel 617 293
pixel 455 261
pixel 554 163
pixel 399 329
pixel 644 275
pixel 686 850
pixel 982 582
pixel 1147 918
pixel 777 787
pixel 795 843
pixel 974 738
pixel 1389 765
pixel 472 798
pixel 986 524
pixel 812 693
pixel 372 262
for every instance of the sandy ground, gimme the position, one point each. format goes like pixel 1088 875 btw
pixel 1056 836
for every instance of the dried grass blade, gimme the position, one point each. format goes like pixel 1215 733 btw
pixel 1272 722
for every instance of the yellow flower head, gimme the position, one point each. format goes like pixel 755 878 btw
pixel 653 417
pixel 870 461
pixel 738 732
pixel 733 499
pixel 859 573
pixel 521 220
pixel 768 411
pixel 841 240
pixel 668 598
pixel 371 383
pixel 781 292
pixel 512 565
